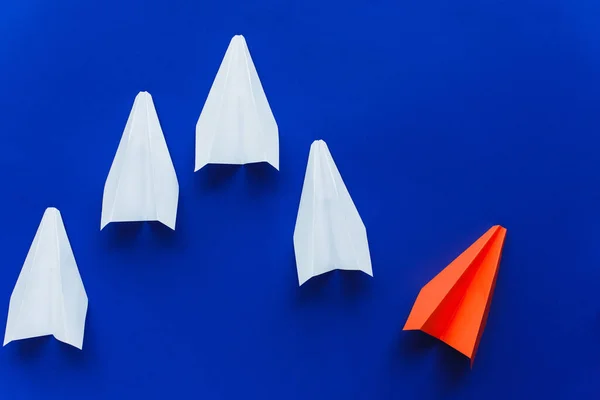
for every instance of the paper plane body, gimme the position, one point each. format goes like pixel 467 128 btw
pixel 453 306
pixel 141 184
pixel 49 297
pixel 329 232
pixel 236 125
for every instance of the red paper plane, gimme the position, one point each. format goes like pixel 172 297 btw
pixel 453 306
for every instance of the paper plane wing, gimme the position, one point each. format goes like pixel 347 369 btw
pixel 329 232
pixel 236 125
pixel 141 184
pixel 49 297
pixel 453 306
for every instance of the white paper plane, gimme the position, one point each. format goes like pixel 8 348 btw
pixel 236 125
pixel 141 184
pixel 49 297
pixel 329 232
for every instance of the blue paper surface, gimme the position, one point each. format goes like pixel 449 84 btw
pixel 443 117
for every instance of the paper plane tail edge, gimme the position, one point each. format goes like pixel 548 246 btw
pixel 203 164
pixel 199 166
pixel 11 338
pixel 161 220
pixel 78 345
pixel 470 357
pixel 308 277
pixel 303 281
pixel 168 225
pixel 410 327
pixel 368 272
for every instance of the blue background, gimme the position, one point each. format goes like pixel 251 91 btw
pixel 444 117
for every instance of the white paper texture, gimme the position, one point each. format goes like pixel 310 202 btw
pixel 49 297
pixel 329 232
pixel 141 184
pixel 236 125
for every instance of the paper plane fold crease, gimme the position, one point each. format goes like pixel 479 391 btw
pixel 454 305
pixel 141 184
pixel 329 232
pixel 49 297
pixel 236 125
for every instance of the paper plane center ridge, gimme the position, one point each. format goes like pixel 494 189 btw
pixel 236 125
pixel 453 306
